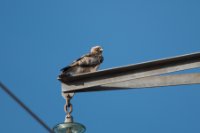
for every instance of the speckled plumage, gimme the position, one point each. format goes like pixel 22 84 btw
pixel 87 63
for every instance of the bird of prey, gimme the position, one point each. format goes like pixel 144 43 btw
pixel 87 63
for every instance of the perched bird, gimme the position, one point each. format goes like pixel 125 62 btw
pixel 87 63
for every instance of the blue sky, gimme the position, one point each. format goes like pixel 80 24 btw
pixel 39 37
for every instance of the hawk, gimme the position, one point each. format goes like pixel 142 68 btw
pixel 87 63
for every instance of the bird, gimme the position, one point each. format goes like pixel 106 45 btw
pixel 87 63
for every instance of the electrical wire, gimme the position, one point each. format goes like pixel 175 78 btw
pixel 6 89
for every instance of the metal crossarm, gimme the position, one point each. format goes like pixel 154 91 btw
pixel 142 75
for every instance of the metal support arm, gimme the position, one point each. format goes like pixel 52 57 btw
pixel 141 75
pixel 148 82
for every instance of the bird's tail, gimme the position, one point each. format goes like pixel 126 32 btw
pixel 64 71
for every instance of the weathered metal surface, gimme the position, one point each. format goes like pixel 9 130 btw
pixel 95 81
pixel 131 72
pixel 147 82
pixel 156 81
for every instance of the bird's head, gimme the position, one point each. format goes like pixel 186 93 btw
pixel 96 50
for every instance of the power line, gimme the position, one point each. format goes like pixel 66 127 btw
pixel 25 108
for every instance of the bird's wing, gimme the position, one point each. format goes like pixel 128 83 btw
pixel 82 61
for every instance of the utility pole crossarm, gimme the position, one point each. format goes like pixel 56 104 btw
pixel 147 82
pixel 136 76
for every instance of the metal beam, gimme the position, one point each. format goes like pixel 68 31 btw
pixel 147 82
pixel 131 72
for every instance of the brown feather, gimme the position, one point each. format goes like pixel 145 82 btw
pixel 87 63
